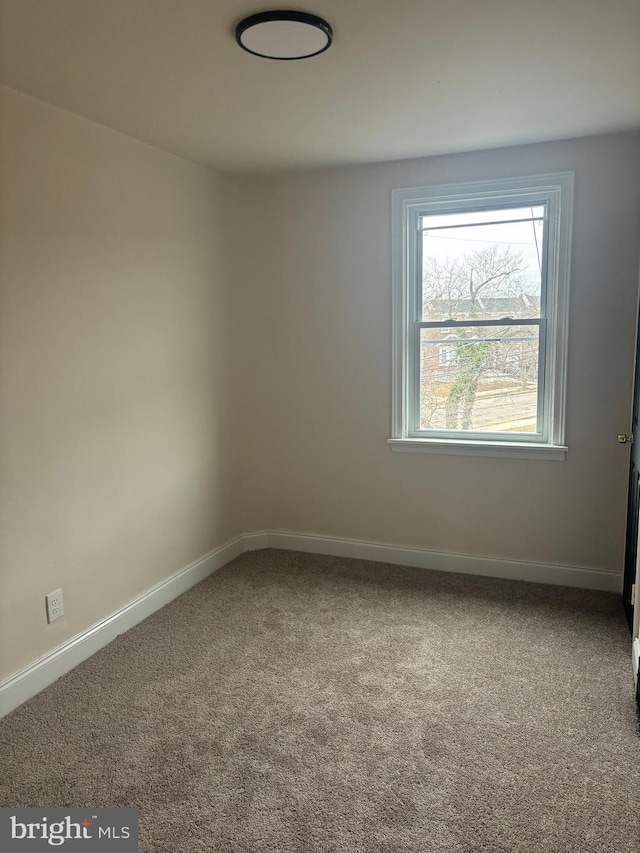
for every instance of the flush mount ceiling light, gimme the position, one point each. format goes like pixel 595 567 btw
pixel 284 35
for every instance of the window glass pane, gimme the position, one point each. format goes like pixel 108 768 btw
pixel 474 269
pixel 482 379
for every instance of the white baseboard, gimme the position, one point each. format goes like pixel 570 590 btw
pixel 256 541
pixel 494 567
pixel 32 679
pixel 636 660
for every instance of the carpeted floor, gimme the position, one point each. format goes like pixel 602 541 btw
pixel 306 703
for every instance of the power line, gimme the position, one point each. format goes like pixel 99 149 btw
pixel 472 240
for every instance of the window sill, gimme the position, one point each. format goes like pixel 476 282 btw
pixel 497 449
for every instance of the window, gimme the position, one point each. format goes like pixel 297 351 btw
pixel 481 274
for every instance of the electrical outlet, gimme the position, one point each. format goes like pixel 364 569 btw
pixel 55 609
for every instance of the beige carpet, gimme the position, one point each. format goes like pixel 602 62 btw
pixel 304 703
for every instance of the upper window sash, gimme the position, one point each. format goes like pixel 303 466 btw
pixel 489 220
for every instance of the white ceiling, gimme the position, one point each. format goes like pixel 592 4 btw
pixel 403 78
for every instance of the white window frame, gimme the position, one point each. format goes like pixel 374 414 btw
pixel 555 191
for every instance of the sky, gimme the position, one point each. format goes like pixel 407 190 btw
pixel 451 242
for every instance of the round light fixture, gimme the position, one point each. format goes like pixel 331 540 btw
pixel 284 35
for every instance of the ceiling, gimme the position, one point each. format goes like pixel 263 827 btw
pixel 402 79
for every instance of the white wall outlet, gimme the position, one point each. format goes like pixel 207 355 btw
pixel 55 610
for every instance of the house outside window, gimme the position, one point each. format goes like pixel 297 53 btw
pixel 446 356
pixel 481 280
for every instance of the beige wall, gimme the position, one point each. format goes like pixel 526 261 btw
pixel 115 382
pixel 315 269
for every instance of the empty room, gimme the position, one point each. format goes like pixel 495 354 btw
pixel 319 426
